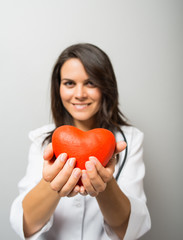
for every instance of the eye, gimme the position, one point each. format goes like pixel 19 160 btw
pixel 89 83
pixel 69 83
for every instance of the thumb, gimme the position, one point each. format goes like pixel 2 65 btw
pixel 120 146
pixel 48 152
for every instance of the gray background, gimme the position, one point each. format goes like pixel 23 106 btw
pixel 144 41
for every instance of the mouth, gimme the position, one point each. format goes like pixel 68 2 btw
pixel 80 106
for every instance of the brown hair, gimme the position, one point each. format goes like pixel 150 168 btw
pixel 99 69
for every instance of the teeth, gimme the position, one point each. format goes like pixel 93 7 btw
pixel 80 106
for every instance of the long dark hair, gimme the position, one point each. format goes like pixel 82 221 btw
pixel 99 68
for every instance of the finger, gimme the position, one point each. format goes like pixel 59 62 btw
pixel 87 184
pixel 97 182
pixel 48 152
pixel 74 192
pixel 82 191
pixel 62 177
pixel 112 162
pixel 120 146
pixel 51 169
pixel 106 172
pixel 71 183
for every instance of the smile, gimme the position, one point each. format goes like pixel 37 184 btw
pixel 80 106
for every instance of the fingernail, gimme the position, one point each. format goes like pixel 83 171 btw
pixel 89 166
pixel 84 176
pixel 63 157
pixel 76 190
pixel 125 144
pixel 76 172
pixel 45 153
pixel 93 159
pixel 72 162
pixel 82 189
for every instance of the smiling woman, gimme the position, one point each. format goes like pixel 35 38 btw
pixel 109 204
pixel 98 72
pixel 79 95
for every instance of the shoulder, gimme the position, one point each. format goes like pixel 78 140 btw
pixel 38 135
pixel 130 133
pixel 134 137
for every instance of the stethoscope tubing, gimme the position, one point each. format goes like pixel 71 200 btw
pixel 124 159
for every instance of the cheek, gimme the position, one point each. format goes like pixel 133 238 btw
pixel 64 94
pixel 97 95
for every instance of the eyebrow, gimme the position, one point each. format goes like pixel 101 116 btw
pixel 68 79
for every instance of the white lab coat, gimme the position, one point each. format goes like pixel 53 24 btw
pixel 79 218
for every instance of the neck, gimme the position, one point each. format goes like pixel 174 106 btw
pixel 85 125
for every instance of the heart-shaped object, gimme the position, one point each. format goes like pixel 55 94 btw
pixel 98 142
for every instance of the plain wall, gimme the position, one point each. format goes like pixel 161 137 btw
pixel 144 41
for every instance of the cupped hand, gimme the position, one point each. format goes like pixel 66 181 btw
pixel 96 177
pixel 60 172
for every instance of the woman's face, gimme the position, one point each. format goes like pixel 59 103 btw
pixel 80 97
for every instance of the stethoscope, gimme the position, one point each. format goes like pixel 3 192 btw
pixel 124 159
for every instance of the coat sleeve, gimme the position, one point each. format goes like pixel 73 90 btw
pixel 131 183
pixel 30 180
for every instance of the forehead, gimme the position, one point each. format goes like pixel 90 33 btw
pixel 73 69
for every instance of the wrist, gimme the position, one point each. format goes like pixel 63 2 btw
pixel 49 189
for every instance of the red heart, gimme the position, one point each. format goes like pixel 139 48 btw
pixel 98 142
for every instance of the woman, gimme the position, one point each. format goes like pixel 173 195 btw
pixel 51 205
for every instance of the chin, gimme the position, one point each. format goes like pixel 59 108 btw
pixel 82 119
pixel 79 117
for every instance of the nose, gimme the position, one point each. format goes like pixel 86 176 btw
pixel 80 92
